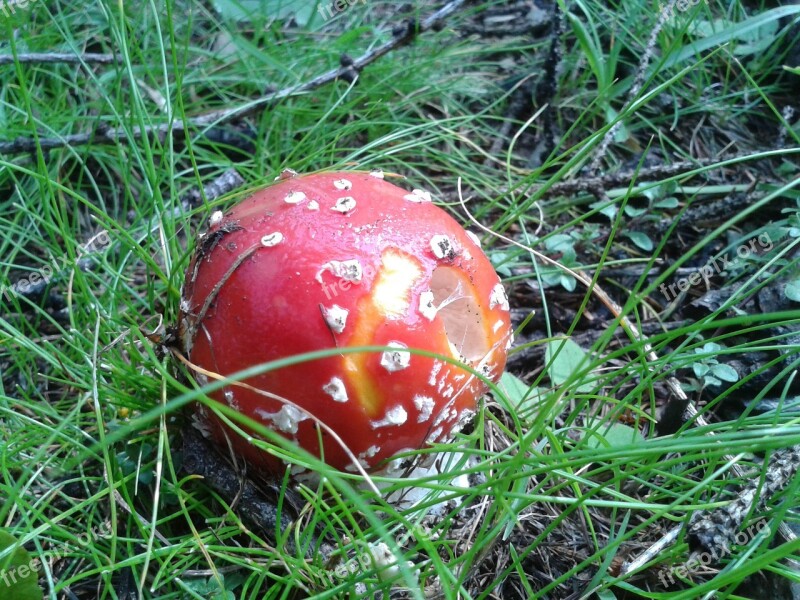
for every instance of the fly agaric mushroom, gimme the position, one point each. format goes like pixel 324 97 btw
pixel 341 260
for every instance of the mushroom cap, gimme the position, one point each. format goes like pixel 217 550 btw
pixel 341 260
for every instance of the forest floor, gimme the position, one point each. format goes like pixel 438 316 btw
pixel 632 171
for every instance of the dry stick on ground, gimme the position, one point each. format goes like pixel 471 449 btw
pixel 226 182
pixel 522 97
pixel 623 179
pixel 690 412
pixel 113 135
pixel 597 185
pixel 547 91
pixel 58 57
pixel 519 101
pixel 638 82
pixel 200 459
pixel 713 530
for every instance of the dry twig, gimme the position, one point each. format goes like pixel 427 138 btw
pixel 638 81
pixel 713 531
pixel 59 57
pixel 113 135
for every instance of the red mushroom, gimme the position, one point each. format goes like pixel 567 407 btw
pixel 338 260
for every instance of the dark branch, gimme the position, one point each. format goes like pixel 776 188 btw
pixel 112 135
pixel 257 505
pixel 595 184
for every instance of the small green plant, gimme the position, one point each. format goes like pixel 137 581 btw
pixel 567 246
pixel 213 588
pixel 709 370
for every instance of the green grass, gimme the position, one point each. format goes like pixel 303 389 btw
pixel 90 407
